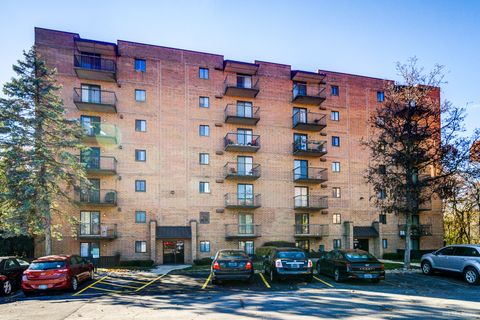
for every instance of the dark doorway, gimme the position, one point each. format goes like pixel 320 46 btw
pixel 173 252
pixel 362 244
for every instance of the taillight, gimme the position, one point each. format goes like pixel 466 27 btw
pixel 216 265
pixel 310 263
pixel 278 263
pixel 61 272
pixel 349 267
pixel 248 266
pixel 24 278
pixel 382 267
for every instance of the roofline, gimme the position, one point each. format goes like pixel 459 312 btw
pixel 172 48
pixel 57 31
pixel 353 75
pixel 96 41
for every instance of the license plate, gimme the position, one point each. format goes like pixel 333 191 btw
pixel 232 264
pixel 368 276
pixel 43 287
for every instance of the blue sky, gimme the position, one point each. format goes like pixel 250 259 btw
pixel 361 37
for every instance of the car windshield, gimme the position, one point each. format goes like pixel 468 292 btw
pixel 291 255
pixel 232 255
pixel 358 256
pixel 47 265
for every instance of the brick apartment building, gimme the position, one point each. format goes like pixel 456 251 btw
pixel 191 153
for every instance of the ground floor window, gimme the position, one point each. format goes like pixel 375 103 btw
pixel 246 246
pixel 321 248
pixel 89 249
pixel 385 243
pixel 303 244
pixel 337 243
pixel 140 246
pixel 415 244
pixel 204 246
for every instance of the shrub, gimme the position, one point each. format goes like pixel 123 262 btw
pixel 279 244
pixel 203 261
pixel 137 263
pixel 264 251
pixel 392 256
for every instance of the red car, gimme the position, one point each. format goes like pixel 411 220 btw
pixel 56 273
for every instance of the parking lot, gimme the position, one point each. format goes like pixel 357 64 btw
pixel 190 293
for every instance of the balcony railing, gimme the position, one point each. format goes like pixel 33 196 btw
pixel 309 148
pixel 416 230
pixel 309 121
pixel 242 201
pixel 99 165
pixel 242 114
pixel 242 142
pixel 237 85
pixel 308 202
pixel 96 197
pixel 238 231
pixel 88 99
pixel 242 171
pixel 97 132
pixel 311 95
pixel 310 174
pixel 97 231
pixel 95 67
pixel 310 230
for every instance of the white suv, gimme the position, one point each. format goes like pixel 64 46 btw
pixel 464 259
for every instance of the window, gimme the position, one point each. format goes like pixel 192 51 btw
pixel 384 243
pixel 335 166
pixel 204 102
pixel 245 223
pixel 382 218
pixel 303 244
pixel 140 95
pixel 334 91
pixel 246 246
pixel 140 185
pixel 335 116
pixel 381 194
pixel 300 169
pixel 90 93
pixel 140 65
pixel 204 246
pixel 244 81
pixel 380 96
pixel 204 187
pixel 302 223
pixel 203 73
pixel 140 216
pixel 337 243
pixel 204 130
pixel 141 125
pixel 89 249
pixel 382 169
pixel 336 192
pixel 466 252
pixel 245 166
pixel 301 197
pixel 91 125
pixel 204 158
pixel 245 195
pixel 140 246
pixel 448 251
pixel 335 141
pixel 204 217
pixel 140 155
pixel 337 218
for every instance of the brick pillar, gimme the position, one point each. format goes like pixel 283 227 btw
pixel 193 226
pixel 348 235
pixel 153 240
pixel 378 246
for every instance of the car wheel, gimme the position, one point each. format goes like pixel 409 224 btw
pixel 273 277
pixel 74 284
pixel 427 268
pixel 336 275
pixel 471 275
pixel 6 288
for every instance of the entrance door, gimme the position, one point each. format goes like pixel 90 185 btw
pixel 301 141
pixel 301 197
pixel 362 244
pixel 89 222
pixel 300 169
pixel 302 223
pixel 173 252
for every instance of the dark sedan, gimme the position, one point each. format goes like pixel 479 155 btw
pixel 231 265
pixel 285 263
pixel 11 270
pixel 351 264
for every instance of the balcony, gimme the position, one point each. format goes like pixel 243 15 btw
pixel 416 231
pixel 309 121
pixel 97 231
pixel 242 171
pixel 310 230
pixel 94 67
pixel 96 197
pixel 312 175
pixel 100 133
pixel 243 142
pixel 242 201
pixel 309 148
pixel 237 85
pixel 95 100
pixel 310 203
pixel 242 231
pixel 99 165
pixel 241 114
pixel 310 95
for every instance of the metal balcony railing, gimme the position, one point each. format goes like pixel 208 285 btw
pixel 105 197
pixel 93 62
pixel 241 85
pixel 242 114
pixel 97 230
pixel 418 230
pixel 308 121
pixel 240 170
pixel 242 231
pixel 245 201
pixel 310 174
pixel 302 93
pixel 242 142
pixel 309 147
pixel 311 230
pixel 97 131
pixel 102 164
pixel 309 202
pixel 90 99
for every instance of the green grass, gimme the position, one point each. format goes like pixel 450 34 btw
pixel 394 266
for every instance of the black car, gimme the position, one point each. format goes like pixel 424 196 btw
pixel 351 264
pixel 231 265
pixel 11 270
pixel 285 263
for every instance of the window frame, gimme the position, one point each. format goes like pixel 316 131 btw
pixel 144 95
pixel 140 121
pixel 335 141
pixel 382 218
pixel 204 244
pixel 141 243
pixel 203 99
pixel 140 212
pixel 200 73
pixel 144 65
pixel 204 183
pixel 337 244
pixel 337 218
pixel 335 194
pixel 144 184
pixel 138 152
pixel 336 165
pixel 334 90
pixel 204 155
pixel 335 115
pixel 204 126
pixel 380 96
pixel 204 217
pixel 385 243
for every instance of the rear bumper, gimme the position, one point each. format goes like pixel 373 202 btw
pixel 43 285
pixel 232 275
pixel 294 273
pixel 363 275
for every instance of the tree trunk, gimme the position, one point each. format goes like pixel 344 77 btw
pixel 408 231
